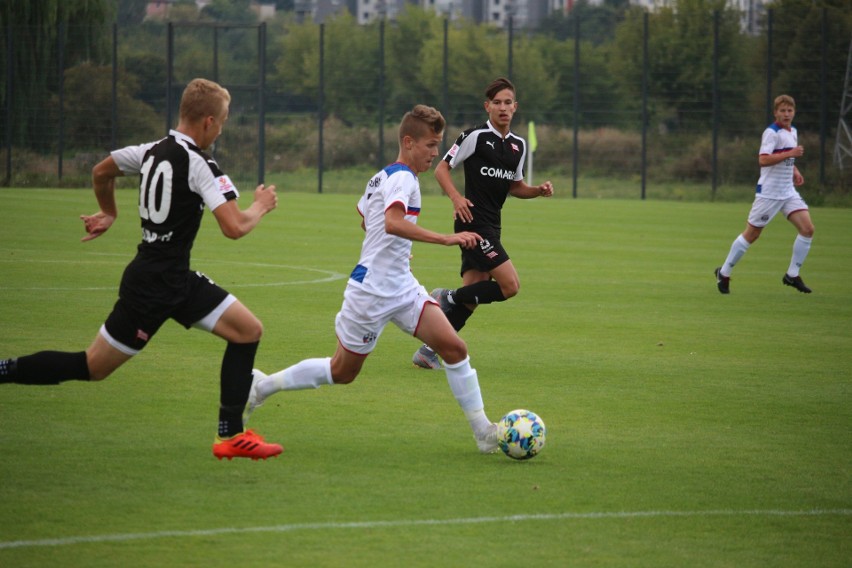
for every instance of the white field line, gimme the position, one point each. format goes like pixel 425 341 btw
pixel 327 275
pixel 414 522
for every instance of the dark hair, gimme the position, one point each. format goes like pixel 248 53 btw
pixel 498 85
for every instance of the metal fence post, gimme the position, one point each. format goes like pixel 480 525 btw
pixel 715 135
pixel 380 155
pixel 320 106
pixel 60 50
pixel 114 106
pixel 261 103
pixel 10 46
pixel 575 150
pixel 644 159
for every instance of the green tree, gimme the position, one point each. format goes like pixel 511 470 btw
pixel 88 100
pixel 478 54
pixel 597 22
pixel 130 12
pixel 230 11
pixel 38 30
pixel 680 66
pixel 799 60
pixel 404 45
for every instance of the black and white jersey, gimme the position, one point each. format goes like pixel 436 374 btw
pixel 176 180
pixel 491 164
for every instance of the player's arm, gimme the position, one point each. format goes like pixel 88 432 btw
pixel 103 182
pixel 767 160
pixel 522 190
pixel 397 225
pixel 236 222
pixel 461 205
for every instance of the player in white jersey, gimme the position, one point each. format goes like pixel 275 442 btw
pixel 776 192
pixel 382 289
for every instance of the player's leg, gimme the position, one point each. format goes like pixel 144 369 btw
pixel 119 339
pixel 54 367
pixel 312 373
pixel 224 316
pixel 497 284
pixel 738 248
pixel 478 287
pixel 762 211
pixel 357 329
pixel 242 330
pixel 434 329
pixel 801 219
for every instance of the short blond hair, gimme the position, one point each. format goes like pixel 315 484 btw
pixel 784 100
pixel 421 121
pixel 202 98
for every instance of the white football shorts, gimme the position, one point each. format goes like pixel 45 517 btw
pixel 764 209
pixel 363 316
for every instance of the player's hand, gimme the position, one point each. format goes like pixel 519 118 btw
pixel 466 239
pixel 797 152
pixel 461 210
pixel 798 178
pixel 545 189
pixel 266 196
pixel 96 225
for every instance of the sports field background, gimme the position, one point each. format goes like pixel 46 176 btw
pixel 685 428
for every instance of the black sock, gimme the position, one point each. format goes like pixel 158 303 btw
pixel 483 292
pixel 235 384
pixel 46 368
pixel 458 316
pixel 8 370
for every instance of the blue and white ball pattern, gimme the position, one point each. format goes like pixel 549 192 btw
pixel 521 434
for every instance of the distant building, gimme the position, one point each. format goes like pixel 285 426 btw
pixel 161 9
pixel 524 14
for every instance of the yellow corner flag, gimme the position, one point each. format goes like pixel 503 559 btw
pixel 531 137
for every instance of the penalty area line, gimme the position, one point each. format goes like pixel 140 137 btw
pixel 127 537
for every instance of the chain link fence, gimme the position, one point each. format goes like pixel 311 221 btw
pixel 328 97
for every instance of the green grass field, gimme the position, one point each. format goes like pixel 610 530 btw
pixel 685 428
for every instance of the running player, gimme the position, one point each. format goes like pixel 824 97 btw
pixel 776 192
pixel 382 289
pixel 493 158
pixel 177 179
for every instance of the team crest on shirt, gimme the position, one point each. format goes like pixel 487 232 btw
pixel 515 147
pixel 225 184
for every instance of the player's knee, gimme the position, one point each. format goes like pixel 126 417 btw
pixel 510 289
pixel 344 372
pixel 252 332
pixel 97 371
pixel 807 231
pixel 343 377
pixel 454 352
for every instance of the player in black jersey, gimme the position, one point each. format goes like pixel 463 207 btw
pixel 493 159
pixel 177 179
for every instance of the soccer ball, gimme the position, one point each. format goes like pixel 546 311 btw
pixel 521 434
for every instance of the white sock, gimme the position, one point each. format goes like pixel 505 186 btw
pixel 801 247
pixel 738 249
pixel 464 384
pixel 307 374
